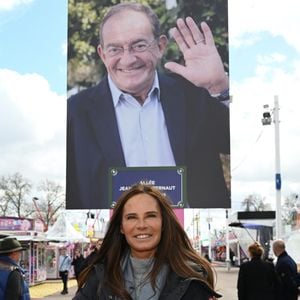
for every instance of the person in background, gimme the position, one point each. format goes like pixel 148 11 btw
pixel 64 269
pixel 77 262
pixel 286 268
pixel 257 279
pixel 207 257
pixel 12 276
pixel 231 257
pixel 146 254
pixel 92 254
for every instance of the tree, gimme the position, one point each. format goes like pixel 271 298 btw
pixel 215 13
pixel 248 203
pixel 15 190
pixel 50 202
pixel 255 203
pixel 85 67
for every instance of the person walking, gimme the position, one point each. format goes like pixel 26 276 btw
pixel 286 268
pixel 12 282
pixel 257 279
pixel 64 268
pixel 146 254
pixel 91 256
pixel 77 262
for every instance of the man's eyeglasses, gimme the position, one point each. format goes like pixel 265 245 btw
pixel 137 47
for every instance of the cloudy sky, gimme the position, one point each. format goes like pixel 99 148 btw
pixel 264 62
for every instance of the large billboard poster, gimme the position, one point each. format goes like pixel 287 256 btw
pixel 148 101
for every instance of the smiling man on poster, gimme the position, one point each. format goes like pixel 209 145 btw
pixel 137 116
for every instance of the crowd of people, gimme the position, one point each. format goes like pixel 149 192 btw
pixel 258 278
pixel 134 260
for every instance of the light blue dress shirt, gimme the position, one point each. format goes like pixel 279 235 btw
pixel 142 128
pixel 64 263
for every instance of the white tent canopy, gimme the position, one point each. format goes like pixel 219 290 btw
pixel 63 231
pixel 293 245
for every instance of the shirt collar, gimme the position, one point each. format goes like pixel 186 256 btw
pixel 117 93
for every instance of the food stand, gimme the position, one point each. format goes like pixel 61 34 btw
pixel 30 234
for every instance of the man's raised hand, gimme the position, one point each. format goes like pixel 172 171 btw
pixel 203 65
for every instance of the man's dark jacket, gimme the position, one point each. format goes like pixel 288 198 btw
pixel 287 270
pixel 198 129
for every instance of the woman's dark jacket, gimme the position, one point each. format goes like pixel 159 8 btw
pixel 176 288
pixel 77 262
pixel 257 280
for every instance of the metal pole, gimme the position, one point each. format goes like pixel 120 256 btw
pixel 277 169
pixel 34 199
pixel 193 223
pixel 197 219
pixel 227 242
pixel 209 220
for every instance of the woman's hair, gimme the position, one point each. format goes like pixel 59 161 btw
pixel 256 250
pixel 137 7
pixel 173 249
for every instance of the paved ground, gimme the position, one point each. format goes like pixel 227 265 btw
pixel 226 285
pixel 58 296
pixel 226 282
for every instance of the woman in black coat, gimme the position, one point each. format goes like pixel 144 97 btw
pixel 77 263
pixel 146 254
pixel 257 279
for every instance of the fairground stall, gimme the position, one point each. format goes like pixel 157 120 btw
pixel 61 235
pixel 29 233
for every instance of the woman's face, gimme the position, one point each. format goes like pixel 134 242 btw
pixel 142 225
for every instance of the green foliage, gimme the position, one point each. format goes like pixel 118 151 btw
pixel 83 20
pixel 215 14
pixel 84 16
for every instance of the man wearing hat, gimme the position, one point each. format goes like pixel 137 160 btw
pixel 12 283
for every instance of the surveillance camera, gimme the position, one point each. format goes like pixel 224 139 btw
pixel 267 118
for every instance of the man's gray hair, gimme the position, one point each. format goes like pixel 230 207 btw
pixel 279 245
pixel 150 14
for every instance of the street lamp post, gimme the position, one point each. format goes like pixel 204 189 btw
pixel 34 199
pixel 277 169
pixel 198 240
pixel 227 242
pixel 209 220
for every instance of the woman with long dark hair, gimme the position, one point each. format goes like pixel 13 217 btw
pixel 146 254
